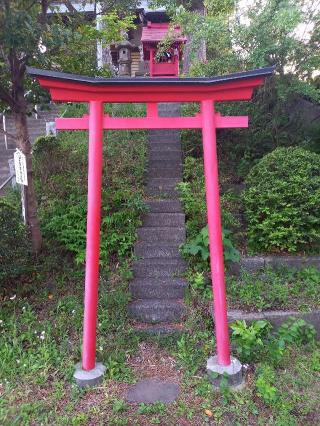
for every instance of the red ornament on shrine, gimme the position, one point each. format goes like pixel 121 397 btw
pixel 165 64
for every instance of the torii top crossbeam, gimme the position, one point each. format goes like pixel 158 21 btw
pixel 77 88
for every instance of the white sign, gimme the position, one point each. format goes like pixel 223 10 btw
pixel 51 128
pixel 20 165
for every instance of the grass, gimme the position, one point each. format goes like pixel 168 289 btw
pixel 41 330
pixel 40 339
pixel 276 289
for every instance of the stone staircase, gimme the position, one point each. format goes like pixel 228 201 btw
pixel 157 288
pixel 36 126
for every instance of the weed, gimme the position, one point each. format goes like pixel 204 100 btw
pixel 156 408
pixel 275 289
pixel 264 385
pixel 296 331
pixel 249 339
pixel 119 406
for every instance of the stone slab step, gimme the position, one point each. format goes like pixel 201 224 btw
pixel 164 133
pixel 158 329
pixel 165 147
pixel 162 234
pixel 161 193
pixel 162 184
pixel 164 219
pixel 168 182
pixel 165 172
pixel 165 136
pixel 156 311
pixel 164 206
pixel 158 268
pixel 148 251
pixel 158 288
pixel 164 155
pixel 161 164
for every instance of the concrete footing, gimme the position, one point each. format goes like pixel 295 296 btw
pixel 88 378
pixel 231 373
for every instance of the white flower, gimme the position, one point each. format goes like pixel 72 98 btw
pixel 100 348
pixel 13 297
pixel 18 361
pixel 23 308
pixel 73 311
pixel 43 332
pixel 1 323
pixel 42 337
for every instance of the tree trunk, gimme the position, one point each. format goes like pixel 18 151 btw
pixel 23 143
pixel 201 54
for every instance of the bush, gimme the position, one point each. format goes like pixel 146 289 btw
pixel 14 245
pixel 282 202
pixel 61 183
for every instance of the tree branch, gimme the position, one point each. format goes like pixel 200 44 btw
pixel 70 6
pixel 6 97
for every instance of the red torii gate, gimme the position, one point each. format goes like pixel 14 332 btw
pixel 76 88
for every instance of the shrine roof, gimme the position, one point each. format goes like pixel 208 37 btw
pixel 154 32
pixel 148 81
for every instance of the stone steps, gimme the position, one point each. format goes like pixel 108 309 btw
pixel 157 171
pixel 163 234
pixel 160 251
pixel 158 287
pixel 164 147
pixel 158 268
pixel 165 155
pixel 164 219
pixel 159 328
pixel 164 206
pixel 157 310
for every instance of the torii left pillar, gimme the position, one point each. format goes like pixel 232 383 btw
pixel 90 373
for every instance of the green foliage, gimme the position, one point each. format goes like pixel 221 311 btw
pixel 192 194
pixel 264 384
pixel 192 349
pixel 61 172
pixel 156 408
pixel 119 406
pixel 199 246
pixel 297 331
pixel 14 247
pixel 256 342
pixel 27 347
pixel 261 33
pixel 249 339
pixel 275 289
pixel 282 202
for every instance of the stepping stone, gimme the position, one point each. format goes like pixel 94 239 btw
pixel 150 391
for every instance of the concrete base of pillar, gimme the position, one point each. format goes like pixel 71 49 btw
pixel 88 378
pixel 231 374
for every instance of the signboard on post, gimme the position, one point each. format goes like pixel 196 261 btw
pixel 20 165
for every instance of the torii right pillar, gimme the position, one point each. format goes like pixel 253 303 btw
pixel 222 364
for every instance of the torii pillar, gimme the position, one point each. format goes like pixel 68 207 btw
pixel 206 91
